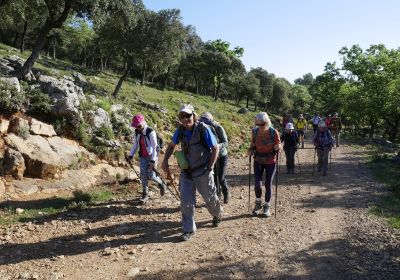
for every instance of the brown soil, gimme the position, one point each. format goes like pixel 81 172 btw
pixel 322 230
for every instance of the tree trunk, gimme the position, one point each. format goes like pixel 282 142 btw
pixel 16 40
pixel 247 102
pixel 143 73
pixel 54 48
pixel 121 80
pixel 41 39
pixel 22 45
pixel 166 77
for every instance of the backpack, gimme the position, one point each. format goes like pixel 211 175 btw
pixel 202 127
pixel 271 133
pixel 160 141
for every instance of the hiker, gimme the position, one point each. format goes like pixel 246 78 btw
pixel 301 128
pixel 315 121
pixel 264 145
pixel 222 161
pixel 328 121
pixel 336 128
pixel 290 138
pixel 285 119
pixel 196 160
pixel 323 143
pixel 145 142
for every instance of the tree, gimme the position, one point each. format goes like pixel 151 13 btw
pixel 56 13
pixel 280 101
pixel 301 98
pixel 306 80
pixel 266 85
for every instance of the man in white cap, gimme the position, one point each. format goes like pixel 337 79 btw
pixel 323 143
pixel 200 149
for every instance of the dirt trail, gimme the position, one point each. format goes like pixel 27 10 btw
pixel 322 231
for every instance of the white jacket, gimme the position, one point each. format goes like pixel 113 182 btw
pixel 150 147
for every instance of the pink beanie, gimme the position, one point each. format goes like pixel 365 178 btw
pixel 137 120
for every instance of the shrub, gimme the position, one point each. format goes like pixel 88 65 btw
pixel 11 100
pixel 39 102
pixel 23 131
pixel 105 132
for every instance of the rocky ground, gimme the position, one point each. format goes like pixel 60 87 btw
pixel 322 230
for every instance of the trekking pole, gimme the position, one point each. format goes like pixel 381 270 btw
pixel 298 161
pixel 330 159
pixel 130 163
pixel 216 179
pixel 313 166
pixel 276 183
pixel 172 181
pixel 249 181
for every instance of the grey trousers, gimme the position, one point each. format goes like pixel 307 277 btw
pixel 206 187
pixel 323 157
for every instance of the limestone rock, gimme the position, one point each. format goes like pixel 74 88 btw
pixel 12 82
pixel 98 118
pixel 4 124
pixel 40 128
pixel 18 123
pixel 66 95
pixel 13 164
pixel 44 158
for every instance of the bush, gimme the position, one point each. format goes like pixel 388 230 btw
pixel 11 100
pixel 23 131
pixel 39 102
pixel 105 132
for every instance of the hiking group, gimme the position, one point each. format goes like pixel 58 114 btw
pixel 200 146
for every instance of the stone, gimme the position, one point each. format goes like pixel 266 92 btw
pixel 66 95
pixel 98 118
pixel 133 272
pixel 107 143
pixel 17 124
pixel 40 128
pixel 26 187
pixel 80 80
pixel 19 210
pixel 116 108
pixel 45 157
pixel 243 111
pixel 4 124
pixel 12 82
pixel 14 164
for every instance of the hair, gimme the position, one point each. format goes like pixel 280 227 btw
pixel 263 117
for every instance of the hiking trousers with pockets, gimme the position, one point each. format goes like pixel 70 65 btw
pixel 146 174
pixel 323 157
pixel 204 184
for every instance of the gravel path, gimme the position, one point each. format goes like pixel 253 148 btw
pixel 323 231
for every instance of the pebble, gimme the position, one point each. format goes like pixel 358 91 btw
pixel 133 272
pixel 19 210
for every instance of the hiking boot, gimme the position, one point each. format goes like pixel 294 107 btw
pixel 162 187
pixel 186 235
pixel 216 221
pixel 145 198
pixel 227 197
pixel 257 208
pixel 266 212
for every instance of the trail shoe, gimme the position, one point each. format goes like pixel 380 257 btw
pixel 162 187
pixel 257 208
pixel 186 235
pixel 216 221
pixel 266 212
pixel 145 198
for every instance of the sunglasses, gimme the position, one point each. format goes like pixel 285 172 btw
pixel 260 124
pixel 185 116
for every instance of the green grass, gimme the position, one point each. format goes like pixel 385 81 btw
pixel 386 171
pixel 36 209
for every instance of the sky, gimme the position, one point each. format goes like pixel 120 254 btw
pixel 291 37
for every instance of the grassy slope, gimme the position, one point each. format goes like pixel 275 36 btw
pixel 236 125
